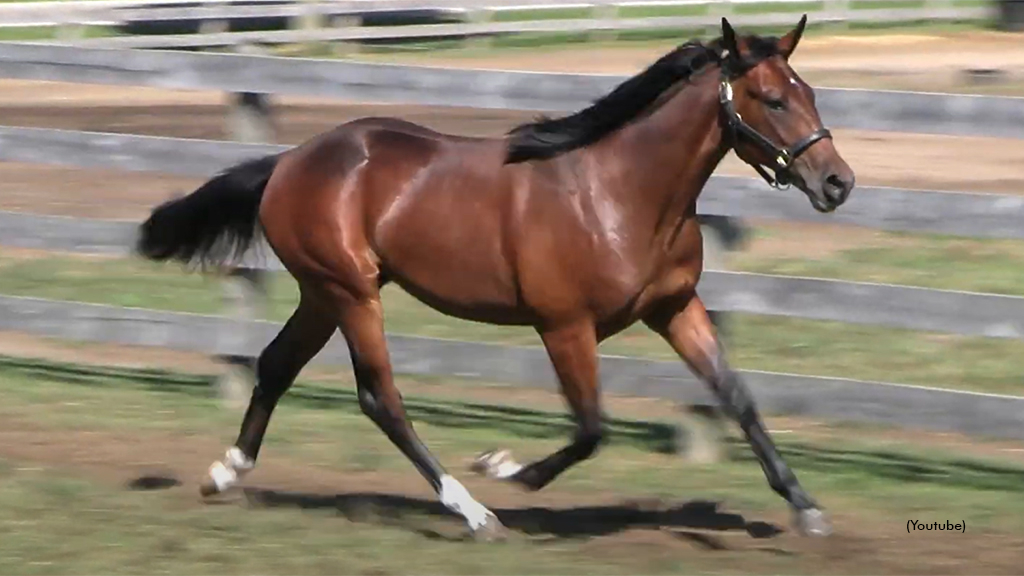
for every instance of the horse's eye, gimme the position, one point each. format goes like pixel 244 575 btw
pixel 775 104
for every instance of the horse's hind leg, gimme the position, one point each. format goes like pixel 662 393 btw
pixel 362 323
pixel 302 337
pixel 573 352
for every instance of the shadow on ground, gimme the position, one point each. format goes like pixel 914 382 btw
pixel 539 523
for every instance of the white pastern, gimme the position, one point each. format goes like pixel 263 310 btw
pixel 498 464
pixel 227 472
pixel 457 499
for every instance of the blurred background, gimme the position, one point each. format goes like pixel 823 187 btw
pixel 883 342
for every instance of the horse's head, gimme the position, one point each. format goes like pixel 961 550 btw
pixel 769 113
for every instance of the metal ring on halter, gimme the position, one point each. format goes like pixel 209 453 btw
pixel 783 157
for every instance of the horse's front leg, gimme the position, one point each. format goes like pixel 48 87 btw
pixel 684 323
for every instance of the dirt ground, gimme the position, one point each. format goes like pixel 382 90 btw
pixel 624 527
pixel 902 160
pixel 620 526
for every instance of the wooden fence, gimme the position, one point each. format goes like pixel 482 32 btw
pixel 221 23
pixel 987 315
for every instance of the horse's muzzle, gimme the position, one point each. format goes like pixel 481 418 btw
pixel 836 189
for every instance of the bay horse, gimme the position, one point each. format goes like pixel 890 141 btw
pixel 579 226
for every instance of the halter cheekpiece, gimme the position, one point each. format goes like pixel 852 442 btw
pixel 782 158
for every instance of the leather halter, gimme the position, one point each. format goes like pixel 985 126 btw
pixel 783 158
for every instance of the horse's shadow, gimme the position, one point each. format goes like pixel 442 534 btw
pixel 538 522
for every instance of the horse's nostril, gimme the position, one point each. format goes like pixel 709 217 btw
pixel 835 188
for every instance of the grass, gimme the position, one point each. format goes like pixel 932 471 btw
pixel 27 33
pixel 64 520
pixel 981 265
pixel 667 37
pixel 755 342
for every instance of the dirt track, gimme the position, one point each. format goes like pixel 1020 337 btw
pixel 615 525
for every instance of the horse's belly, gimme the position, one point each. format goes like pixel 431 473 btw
pixel 462 289
pixel 456 267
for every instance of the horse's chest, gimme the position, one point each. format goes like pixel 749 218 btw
pixel 641 286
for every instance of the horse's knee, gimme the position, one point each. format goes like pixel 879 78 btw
pixel 383 408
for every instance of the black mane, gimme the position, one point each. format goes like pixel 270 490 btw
pixel 548 137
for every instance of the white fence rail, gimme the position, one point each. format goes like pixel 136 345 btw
pixel 339 21
pixel 950 114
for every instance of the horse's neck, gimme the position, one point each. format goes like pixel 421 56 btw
pixel 668 157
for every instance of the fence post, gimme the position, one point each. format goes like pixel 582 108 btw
pixel 245 289
pixel 700 427
pixel 479 15
pixel 605 11
pixel 721 9
pixel 70 32
pixel 214 26
pixel 309 19
pixel 342 48
pixel 245 298
pixel 249 118
pixel 837 14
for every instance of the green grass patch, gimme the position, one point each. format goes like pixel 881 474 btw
pixel 54 521
pixel 26 33
pixel 662 11
pixel 897 4
pixel 30 33
pixel 943 262
pixel 769 7
pixel 550 14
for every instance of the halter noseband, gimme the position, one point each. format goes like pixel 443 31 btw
pixel 783 158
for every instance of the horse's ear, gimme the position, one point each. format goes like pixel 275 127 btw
pixel 729 39
pixel 787 44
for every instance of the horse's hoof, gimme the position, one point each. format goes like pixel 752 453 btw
pixel 208 488
pixel 482 464
pixel 491 531
pixel 812 522
pixel 497 464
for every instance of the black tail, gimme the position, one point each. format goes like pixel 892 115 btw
pixel 216 222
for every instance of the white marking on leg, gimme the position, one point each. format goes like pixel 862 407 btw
pixel 506 469
pixel 227 472
pixel 498 464
pixel 456 498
